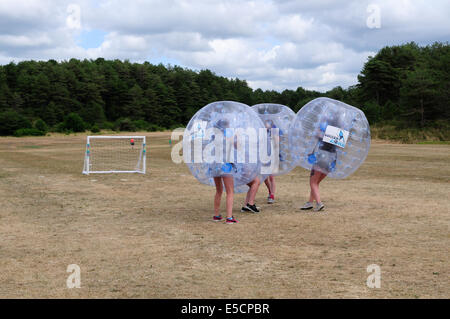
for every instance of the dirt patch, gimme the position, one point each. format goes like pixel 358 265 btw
pixel 152 236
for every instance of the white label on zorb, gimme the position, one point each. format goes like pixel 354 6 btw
pixel 335 136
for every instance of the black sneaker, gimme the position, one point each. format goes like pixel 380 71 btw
pixel 244 209
pixel 250 208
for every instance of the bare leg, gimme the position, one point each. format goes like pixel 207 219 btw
pixel 247 197
pixel 229 188
pixel 269 187
pixel 311 196
pixel 218 196
pixel 322 177
pixel 272 184
pixel 251 194
pixel 314 180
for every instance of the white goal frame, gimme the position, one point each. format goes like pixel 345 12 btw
pixel 141 159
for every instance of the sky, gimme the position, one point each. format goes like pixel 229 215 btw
pixel 273 45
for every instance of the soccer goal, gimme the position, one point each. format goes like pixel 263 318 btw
pixel 115 154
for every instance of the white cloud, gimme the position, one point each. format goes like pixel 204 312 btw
pixel 293 27
pixel 24 41
pixel 272 44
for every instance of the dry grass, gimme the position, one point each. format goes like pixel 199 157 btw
pixel 151 235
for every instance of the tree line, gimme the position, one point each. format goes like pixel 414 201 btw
pixel 406 85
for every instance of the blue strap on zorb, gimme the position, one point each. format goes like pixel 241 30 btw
pixel 226 168
pixel 312 159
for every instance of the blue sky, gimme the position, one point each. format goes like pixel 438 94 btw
pixel 89 39
pixel 272 44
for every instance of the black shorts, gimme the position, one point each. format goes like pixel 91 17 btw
pixel 326 161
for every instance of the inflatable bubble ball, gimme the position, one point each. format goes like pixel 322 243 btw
pixel 245 188
pixel 277 119
pixel 221 139
pixel 330 136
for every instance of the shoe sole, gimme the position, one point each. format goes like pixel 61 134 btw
pixel 305 208
pixel 320 209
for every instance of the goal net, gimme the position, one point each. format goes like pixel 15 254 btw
pixel 115 154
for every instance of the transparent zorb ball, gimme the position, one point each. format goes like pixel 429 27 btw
pixel 330 136
pixel 277 119
pixel 221 139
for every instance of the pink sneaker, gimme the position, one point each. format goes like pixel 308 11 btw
pixel 231 220
pixel 217 218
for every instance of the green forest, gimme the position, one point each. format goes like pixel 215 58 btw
pixel 403 87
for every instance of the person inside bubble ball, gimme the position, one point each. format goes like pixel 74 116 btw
pixel 223 177
pixel 274 142
pixel 250 205
pixel 323 158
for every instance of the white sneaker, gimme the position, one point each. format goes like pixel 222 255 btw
pixel 306 206
pixel 319 207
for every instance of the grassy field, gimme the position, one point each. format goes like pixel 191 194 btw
pixel 151 236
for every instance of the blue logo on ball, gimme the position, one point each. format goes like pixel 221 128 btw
pixel 227 167
pixel 312 159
